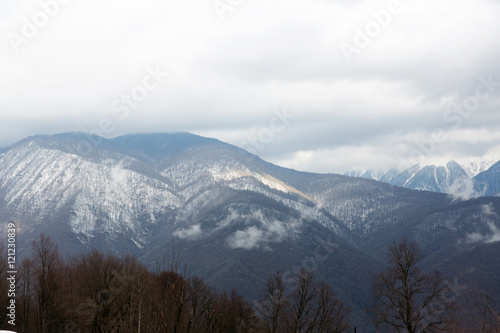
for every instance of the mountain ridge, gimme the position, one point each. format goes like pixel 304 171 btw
pixel 453 178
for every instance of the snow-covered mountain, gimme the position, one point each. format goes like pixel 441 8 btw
pixel 488 182
pixel 431 178
pixel 475 166
pixel 236 217
pixel 457 179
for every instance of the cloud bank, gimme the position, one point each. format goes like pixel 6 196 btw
pixel 414 77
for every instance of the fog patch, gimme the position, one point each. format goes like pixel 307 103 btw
pixel 119 176
pixel 258 236
pixel 192 233
pixel 462 189
pixel 494 236
pixel 246 239
pixel 488 210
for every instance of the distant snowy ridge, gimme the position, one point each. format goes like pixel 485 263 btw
pixel 455 178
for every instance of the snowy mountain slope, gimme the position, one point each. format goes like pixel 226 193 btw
pixel 403 178
pixel 144 177
pixel 37 182
pixel 368 174
pixel 454 178
pixel 475 166
pixel 437 178
pixel 389 176
pixel 107 192
pixel 488 182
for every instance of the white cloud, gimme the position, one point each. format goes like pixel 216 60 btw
pixel 247 239
pixel 478 237
pixel 488 210
pixel 256 236
pixel 119 176
pixel 192 233
pixel 463 189
pixel 230 219
pixel 494 236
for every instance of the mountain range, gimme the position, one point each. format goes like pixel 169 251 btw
pixel 466 180
pixel 234 218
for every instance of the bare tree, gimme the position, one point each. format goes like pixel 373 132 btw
pixel 197 294
pixel 47 283
pixel 273 304
pixel 405 298
pixel 211 312
pixel 482 312
pixel 302 304
pixel 238 314
pixel 4 287
pixel 308 307
pixel 99 281
pixel 332 315
pixel 25 294
pixel 129 290
pixel 171 301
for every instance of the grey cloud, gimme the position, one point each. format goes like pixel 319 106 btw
pixel 227 76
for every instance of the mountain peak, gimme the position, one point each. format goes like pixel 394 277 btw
pixel 161 146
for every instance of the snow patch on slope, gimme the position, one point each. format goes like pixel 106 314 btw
pixel 265 179
pixel 103 197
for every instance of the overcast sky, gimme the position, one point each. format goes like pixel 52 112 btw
pixel 316 85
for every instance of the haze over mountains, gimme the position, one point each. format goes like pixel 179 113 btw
pixel 236 218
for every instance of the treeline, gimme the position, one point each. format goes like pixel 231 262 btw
pixel 98 292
